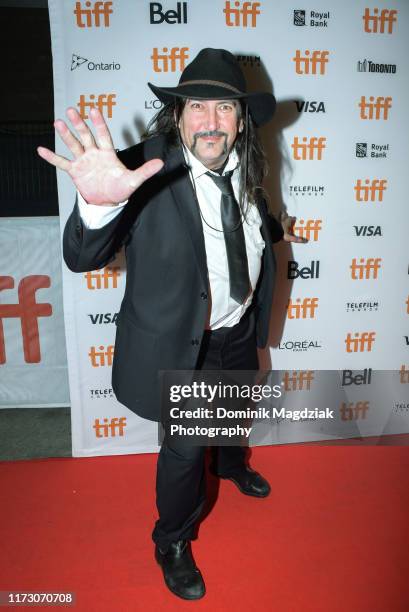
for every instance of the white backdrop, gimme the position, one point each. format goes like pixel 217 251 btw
pixel 341 80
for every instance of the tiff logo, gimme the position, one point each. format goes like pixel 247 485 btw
pixel 28 311
pixel 308 64
pixel 360 343
pixel 308 229
pixel 101 280
pixel 304 309
pixel 175 58
pixel 298 380
pixel 371 191
pixel 375 24
pixel 246 16
pixel 109 427
pixel 366 268
pixel 93 15
pixel 407 305
pixel 308 150
pixel 376 110
pixel 104 101
pixel 353 411
pixel 102 357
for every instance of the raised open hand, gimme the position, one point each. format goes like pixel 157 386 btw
pixel 96 171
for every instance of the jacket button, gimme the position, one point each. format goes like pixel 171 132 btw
pixel 203 295
pixel 195 342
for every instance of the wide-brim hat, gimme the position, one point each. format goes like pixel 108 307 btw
pixel 215 74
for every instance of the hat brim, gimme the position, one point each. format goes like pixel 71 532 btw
pixel 261 105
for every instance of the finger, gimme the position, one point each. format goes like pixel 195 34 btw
pixel 81 127
pixel 142 174
pixel 68 138
pixel 56 160
pixel 103 136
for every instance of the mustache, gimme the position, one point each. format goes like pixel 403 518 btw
pixel 209 133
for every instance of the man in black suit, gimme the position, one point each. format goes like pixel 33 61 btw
pixel 187 204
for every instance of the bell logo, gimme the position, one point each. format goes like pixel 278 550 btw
pixel 93 15
pixel 380 108
pixel 360 343
pixel 308 150
pixel 236 17
pixel 353 411
pixel 366 268
pixel 308 229
pixel 304 309
pixel 101 280
pixel 109 427
pixel 308 63
pixel 103 101
pixel 28 311
pixel 175 58
pixel 375 23
pixel 370 190
pixel 157 15
pixel 102 357
pixel 296 381
pixel 404 375
pixel 293 271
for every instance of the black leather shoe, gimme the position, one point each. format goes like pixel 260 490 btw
pixel 248 482
pixel 181 575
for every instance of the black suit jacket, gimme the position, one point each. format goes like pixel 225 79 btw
pixel 163 312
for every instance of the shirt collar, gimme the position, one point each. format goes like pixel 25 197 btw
pixel 198 169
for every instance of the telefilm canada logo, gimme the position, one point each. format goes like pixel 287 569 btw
pixel 77 61
pixel 314 19
pixel 249 61
pixel 99 393
pixel 371 150
pixel 306 190
pixel 367 65
pixel 364 306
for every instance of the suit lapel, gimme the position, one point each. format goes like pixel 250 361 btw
pixel 187 205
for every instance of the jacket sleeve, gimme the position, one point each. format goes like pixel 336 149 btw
pixel 89 249
pixel 275 227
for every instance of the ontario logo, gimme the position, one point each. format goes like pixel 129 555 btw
pixel 77 61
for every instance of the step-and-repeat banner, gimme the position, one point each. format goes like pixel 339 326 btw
pixel 339 157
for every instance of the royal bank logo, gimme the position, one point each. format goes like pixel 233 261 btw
pixel 367 306
pixel 309 106
pixel 371 150
pixel 251 61
pixel 306 190
pixel 77 61
pixel 369 66
pixel 300 346
pixel 311 18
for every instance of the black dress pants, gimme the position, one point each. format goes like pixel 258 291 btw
pixel 180 481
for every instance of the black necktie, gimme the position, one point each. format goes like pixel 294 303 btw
pixel 234 239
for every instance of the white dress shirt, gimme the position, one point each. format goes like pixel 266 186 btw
pixel 223 310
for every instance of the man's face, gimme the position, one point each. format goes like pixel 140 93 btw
pixel 209 128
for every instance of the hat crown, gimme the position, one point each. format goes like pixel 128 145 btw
pixel 215 65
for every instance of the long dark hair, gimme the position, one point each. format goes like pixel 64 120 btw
pixel 252 159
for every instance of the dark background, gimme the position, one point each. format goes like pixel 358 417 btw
pixel 27 183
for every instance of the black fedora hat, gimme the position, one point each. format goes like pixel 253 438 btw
pixel 215 74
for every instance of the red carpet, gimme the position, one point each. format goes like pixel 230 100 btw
pixel 333 535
